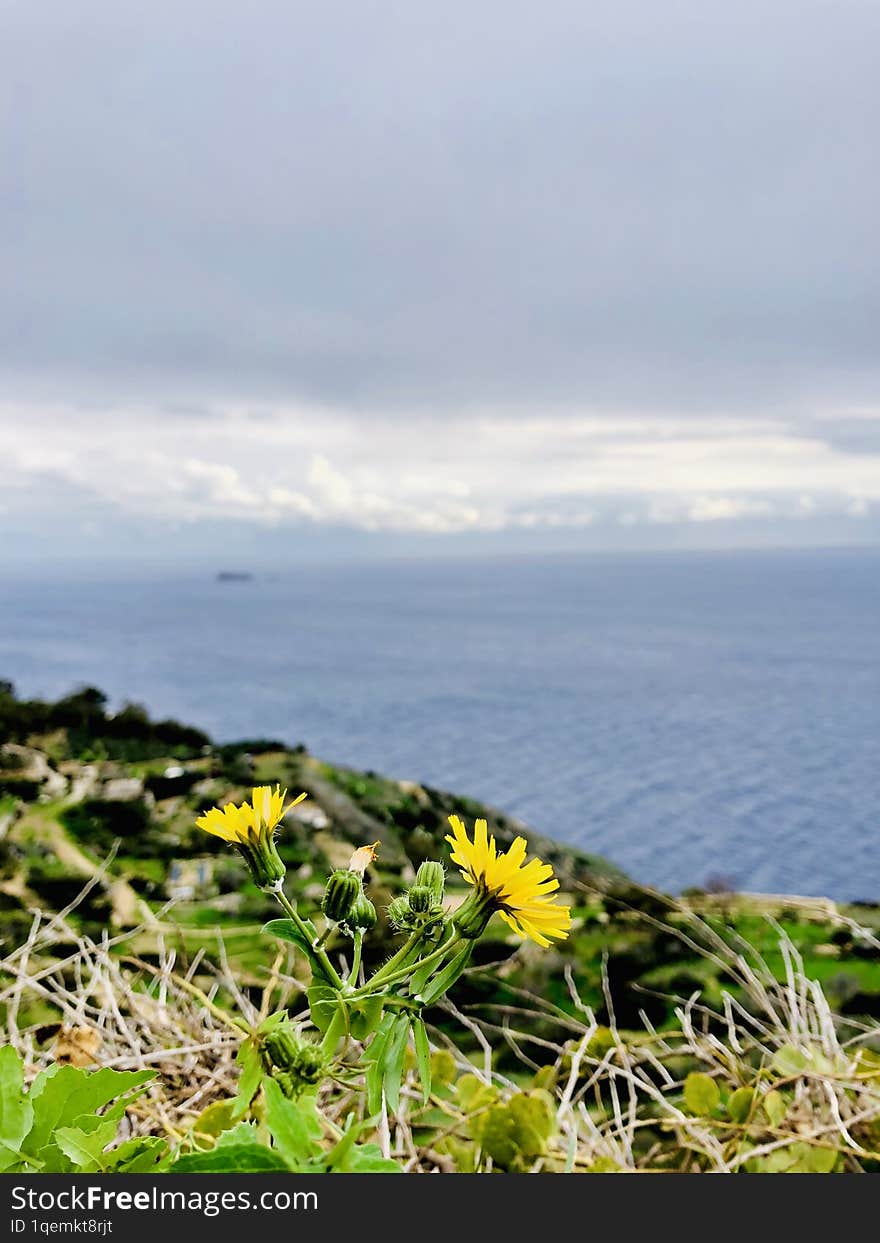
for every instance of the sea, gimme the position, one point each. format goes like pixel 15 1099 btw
pixel 698 718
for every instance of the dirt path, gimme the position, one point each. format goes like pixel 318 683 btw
pixel 128 909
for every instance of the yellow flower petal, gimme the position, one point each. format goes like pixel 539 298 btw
pixel 520 891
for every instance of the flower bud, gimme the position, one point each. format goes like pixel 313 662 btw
pixel 399 913
pixel 420 899
pixel 433 877
pixel 343 889
pixel 259 853
pixel 297 1063
pixel 363 913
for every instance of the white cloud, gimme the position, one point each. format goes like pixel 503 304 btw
pixel 726 508
pixel 483 472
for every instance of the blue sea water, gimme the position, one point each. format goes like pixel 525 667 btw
pixel 687 715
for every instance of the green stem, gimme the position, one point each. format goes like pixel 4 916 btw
pixel 398 959
pixel 330 971
pixel 401 974
pixel 356 957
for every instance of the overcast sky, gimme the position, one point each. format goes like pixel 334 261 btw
pixel 366 276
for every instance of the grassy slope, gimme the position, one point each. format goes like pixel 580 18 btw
pixel 51 847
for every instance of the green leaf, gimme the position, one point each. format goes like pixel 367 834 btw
pixel 368 1159
pixel 61 1095
pixel 775 1106
pixel 241 1133
pixel 294 1127
pixel 702 1095
pixel 423 1056
pixel 136 1156
pixel 338 1154
pixel 821 1160
pixel 324 1003
pixel 375 1076
pixel 86 1148
pixel 287 930
pixel 395 1052
pixel 474 1093
pixel 231 1159
pixel 443 1069
pixel 447 977
pixel 739 1105
pixel 213 1121
pixel 420 977
pixel 365 1016
pixel 248 1058
pixel 16 1110
pixel 790 1061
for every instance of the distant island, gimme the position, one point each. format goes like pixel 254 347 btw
pixel 234 576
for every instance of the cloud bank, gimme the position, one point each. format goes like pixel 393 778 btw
pixel 439 270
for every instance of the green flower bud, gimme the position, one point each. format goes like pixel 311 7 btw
pixel 433 877
pixel 420 899
pixel 399 914
pixel 297 1063
pixel 281 1045
pixel 259 853
pixel 363 913
pixel 343 890
pixel 473 915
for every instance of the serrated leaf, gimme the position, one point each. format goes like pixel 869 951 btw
pixel 231 1159
pixel 241 1133
pixel 368 1159
pixel 16 1110
pixel 702 1095
pixel 86 1148
pixel 294 1127
pixel 423 1056
pixel 395 1051
pixel 61 1095
pixel 136 1156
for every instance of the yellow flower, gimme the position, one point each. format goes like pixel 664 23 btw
pixel 251 827
pixel 240 824
pixel 504 882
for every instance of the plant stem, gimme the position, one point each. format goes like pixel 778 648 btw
pixel 401 974
pixel 356 957
pixel 398 959
pixel 327 966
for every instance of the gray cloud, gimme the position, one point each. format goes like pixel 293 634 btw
pixel 627 206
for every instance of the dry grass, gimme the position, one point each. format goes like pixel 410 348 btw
pixel 618 1095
